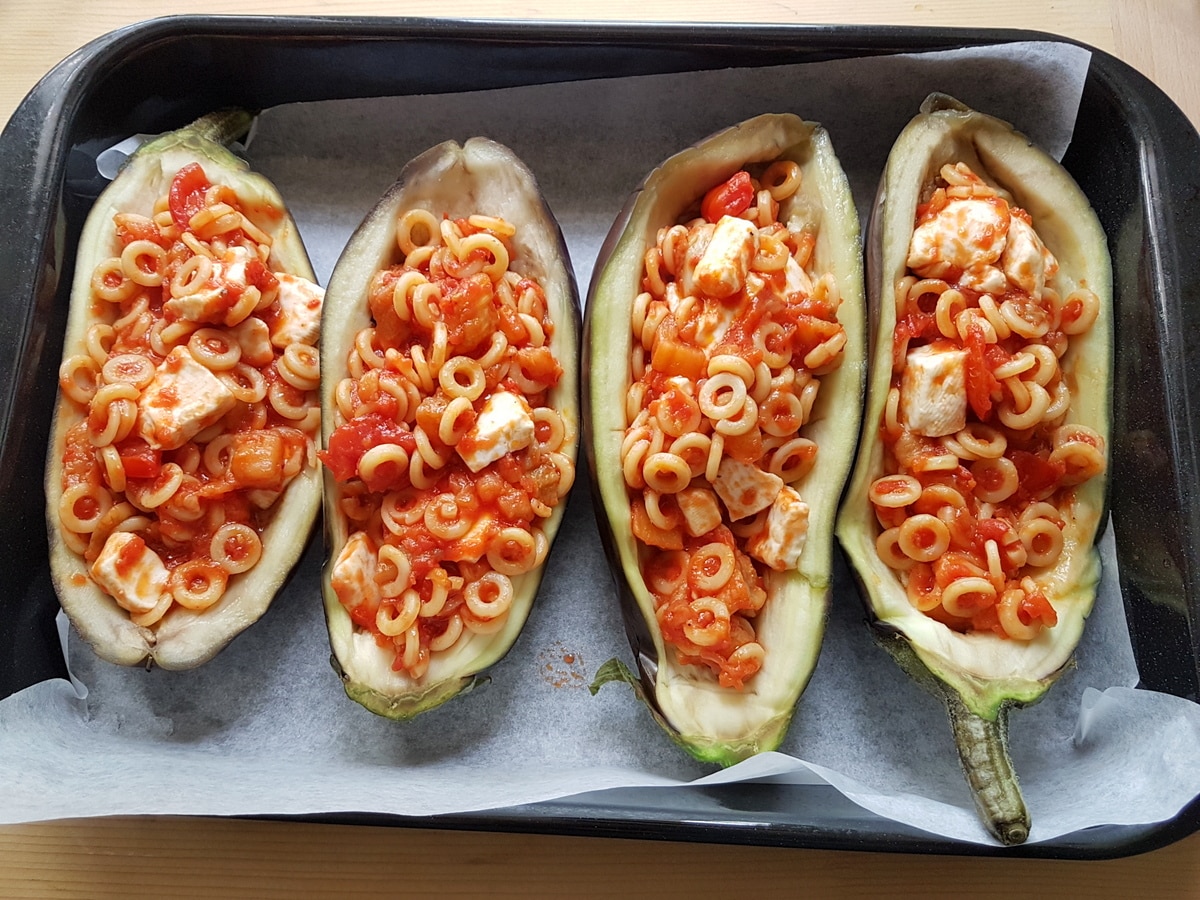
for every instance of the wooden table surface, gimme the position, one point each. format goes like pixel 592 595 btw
pixel 175 857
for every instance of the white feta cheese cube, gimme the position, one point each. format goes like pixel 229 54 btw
pixel 217 300
pixel 353 575
pixel 701 514
pixel 780 541
pixel 745 488
pixel 504 425
pixel 721 271
pixel 182 400
pixel 1026 261
pixel 253 336
pixel 796 280
pixel 933 390
pixel 985 279
pixel 130 572
pixel 963 234
pixel 299 318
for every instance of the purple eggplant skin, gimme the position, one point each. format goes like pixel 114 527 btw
pixel 715 724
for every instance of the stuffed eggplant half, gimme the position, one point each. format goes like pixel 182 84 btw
pixel 451 419
pixel 182 478
pixel 979 489
pixel 725 356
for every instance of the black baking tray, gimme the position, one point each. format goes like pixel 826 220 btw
pixel 1134 153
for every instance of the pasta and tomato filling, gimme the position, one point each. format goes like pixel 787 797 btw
pixel 731 333
pixel 447 454
pixel 980 460
pixel 197 398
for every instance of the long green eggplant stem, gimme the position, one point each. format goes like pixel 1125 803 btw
pixel 222 126
pixel 983 751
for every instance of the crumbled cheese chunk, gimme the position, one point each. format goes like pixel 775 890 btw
pixel 985 279
pixel 182 400
pixel 963 234
pixel 781 539
pixel 131 572
pixel 744 488
pixel 796 280
pixel 353 575
pixel 299 319
pixel 254 339
pixel 1027 262
pixel 505 425
pixel 933 390
pixel 474 544
pixel 217 300
pixel 721 271
pixel 701 514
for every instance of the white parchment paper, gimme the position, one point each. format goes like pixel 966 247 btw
pixel 266 729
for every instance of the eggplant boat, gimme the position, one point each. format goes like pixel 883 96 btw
pixel 977 496
pixel 725 352
pixel 451 421
pixel 182 479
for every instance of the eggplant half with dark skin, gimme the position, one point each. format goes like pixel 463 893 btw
pixel 714 722
pixel 978 672
pixel 484 182
pixel 185 636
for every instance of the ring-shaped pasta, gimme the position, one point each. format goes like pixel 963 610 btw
pixel 1023 320
pixel 300 366
pixel 235 547
pixel 1008 611
pixel 112 414
pixel 448 638
pixel 566 472
pixel 991 312
pixel 1032 414
pixel 891 412
pixel 923 538
pixel 1047 363
pixel 99 340
pixel 894 491
pixel 772 254
pixel 110 283
pixel 956 595
pixel 549 431
pixel 382 462
pixel 496 351
pixel 132 257
pixel 82 507
pixel 129 368
pixel 782 414
pixel 733 364
pixel 949 304
pixel 722 396
pixel 748 656
pixel 513 551
pixel 456 421
pixel 996 479
pixel 1021 363
pixel 191 276
pixel 154 614
pixel 668 518
pixel 79 378
pixel 113 468
pixel 782 178
pixel 1082 459
pixel 744 422
pixel 489 597
pixel 631 464
pixel 708 623
pixel 1080 310
pixel 887 545
pixel 393 572
pixel 491 245
pixel 415 228
pixel 215 349
pixel 198 583
pixel 940 496
pixel 667 573
pixel 1043 542
pixel 666 473
pixel 793 460
pixel 440 586
pixel 159 490
pixel 711 567
pixel 290 403
pixel 693 448
pixel 400 510
pixel 443 518
pixel 462 376
pixel 394 620
pixel 982 441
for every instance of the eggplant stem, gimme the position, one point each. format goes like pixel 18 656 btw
pixel 983 751
pixel 223 126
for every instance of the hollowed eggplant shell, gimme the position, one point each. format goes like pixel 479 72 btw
pixel 183 639
pixel 712 723
pixel 982 675
pixel 479 177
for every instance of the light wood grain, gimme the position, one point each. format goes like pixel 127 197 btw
pixel 178 857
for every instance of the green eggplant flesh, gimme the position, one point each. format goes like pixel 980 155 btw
pixel 478 177
pixel 716 724
pixel 183 638
pixel 981 676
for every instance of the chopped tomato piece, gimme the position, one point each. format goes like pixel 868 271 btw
pixel 186 195
pixel 729 199
pixel 980 380
pixel 351 440
pixel 139 458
